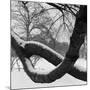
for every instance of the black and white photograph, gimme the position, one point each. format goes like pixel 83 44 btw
pixel 48 44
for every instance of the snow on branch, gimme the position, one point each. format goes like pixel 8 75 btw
pixel 42 76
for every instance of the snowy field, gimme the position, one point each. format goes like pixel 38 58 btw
pixel 19 79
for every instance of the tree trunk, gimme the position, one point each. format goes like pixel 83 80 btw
pixel 72 54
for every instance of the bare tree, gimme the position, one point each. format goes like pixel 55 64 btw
pixel 64 65
pixel 26 20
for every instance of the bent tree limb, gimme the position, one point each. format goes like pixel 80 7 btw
pixel 66 66
pixel 35 76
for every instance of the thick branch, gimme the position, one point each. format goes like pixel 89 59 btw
pixel 72 55
pixel 36 47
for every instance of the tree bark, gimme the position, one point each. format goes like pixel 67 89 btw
pixel 72 54
pixel 76 41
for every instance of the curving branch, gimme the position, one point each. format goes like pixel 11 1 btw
pixel 62 8
pixel 42 50
pixel 66 66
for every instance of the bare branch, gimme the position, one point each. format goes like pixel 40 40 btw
pixel 55 21
pixel 70 10
pixel 69 22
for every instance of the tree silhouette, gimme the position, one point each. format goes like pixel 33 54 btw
pixel 64 64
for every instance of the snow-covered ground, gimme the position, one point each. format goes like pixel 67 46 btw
pixel 19 79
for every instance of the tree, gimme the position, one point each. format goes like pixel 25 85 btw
pixel 26 20
pixel 64 66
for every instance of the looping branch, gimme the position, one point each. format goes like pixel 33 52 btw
pixel 64 64
pixel 44 77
